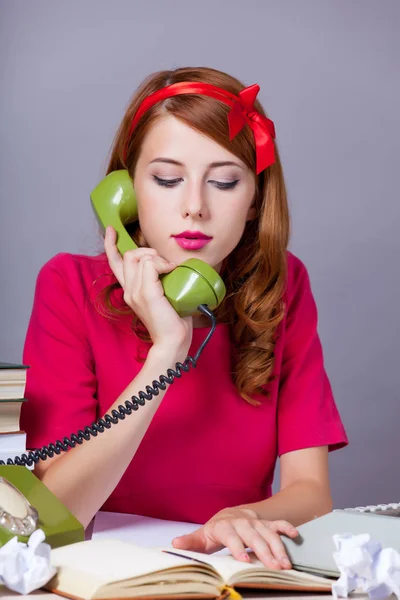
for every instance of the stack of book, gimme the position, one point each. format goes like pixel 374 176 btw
pixel 12 390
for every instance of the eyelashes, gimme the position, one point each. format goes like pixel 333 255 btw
pixel 225 185
pixel 221 185
pixel 167 182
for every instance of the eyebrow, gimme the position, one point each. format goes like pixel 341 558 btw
pixel 223 163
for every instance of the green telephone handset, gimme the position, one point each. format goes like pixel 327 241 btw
pixel 192 283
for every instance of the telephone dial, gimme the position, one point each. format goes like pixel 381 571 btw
pixel 192 288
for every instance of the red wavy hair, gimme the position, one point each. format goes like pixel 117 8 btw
pixel 255 271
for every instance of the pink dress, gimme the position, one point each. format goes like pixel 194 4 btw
pixel 206 447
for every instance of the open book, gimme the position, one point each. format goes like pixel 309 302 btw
pixel 106 568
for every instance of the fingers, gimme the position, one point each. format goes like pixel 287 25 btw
pixel 192 541
pixel 141 277
pixel 239 534
pixel 245 535
pixel 262 546
pixel 127 269
pixel 276 547
pixel 114 258
pixel 230 537
pixel 285 527
pixel 149 268
pixel 234 535
pixel 118 263
pixel 138 272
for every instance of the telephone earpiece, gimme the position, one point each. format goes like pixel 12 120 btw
pixel 192 283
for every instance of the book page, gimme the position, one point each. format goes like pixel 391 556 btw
pixel 113 560
pixel 226 566
pixel 157 533
pixel 232 571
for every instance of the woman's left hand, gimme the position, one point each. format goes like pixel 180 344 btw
pixel 238 529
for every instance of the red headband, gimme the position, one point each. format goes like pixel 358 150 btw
pixel 242 112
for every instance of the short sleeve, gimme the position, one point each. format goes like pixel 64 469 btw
pixel 307 413
pixel 61 384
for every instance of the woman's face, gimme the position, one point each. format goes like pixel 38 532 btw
pixel 187 185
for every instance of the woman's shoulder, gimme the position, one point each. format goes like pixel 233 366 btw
pixel 73 265
pixel 298 294
pixel 296 271
pixel 77 275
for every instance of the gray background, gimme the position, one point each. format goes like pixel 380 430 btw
pixel 329 76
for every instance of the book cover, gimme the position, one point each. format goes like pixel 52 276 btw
pixel 13 400
pixel 5 365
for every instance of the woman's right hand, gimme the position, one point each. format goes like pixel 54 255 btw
pixel 138 274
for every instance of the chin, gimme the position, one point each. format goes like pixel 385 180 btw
pixel 210 261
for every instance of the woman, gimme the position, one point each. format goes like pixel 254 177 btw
pixel 205 165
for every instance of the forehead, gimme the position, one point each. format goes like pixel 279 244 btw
pixel 172 138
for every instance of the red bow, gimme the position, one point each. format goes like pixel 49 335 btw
pixel 263 129
pixel 242 112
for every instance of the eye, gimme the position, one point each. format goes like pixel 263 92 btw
pixel 224 185
pixel 167 182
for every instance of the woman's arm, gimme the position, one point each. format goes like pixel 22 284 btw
pixel 84 477
pixel 304 491
pixel 62 384
pixel 308 424
pixel 304 495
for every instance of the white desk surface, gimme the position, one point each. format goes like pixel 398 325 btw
pixel 147 532
pixel 41 595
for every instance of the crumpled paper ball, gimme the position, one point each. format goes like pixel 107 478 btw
pixel 364 565
pixel 26 567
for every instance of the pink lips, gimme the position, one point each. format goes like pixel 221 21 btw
pixel 192 240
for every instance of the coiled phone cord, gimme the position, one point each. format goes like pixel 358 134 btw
pixel 116 414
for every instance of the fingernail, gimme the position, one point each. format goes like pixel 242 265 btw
pixel 244 556
pixel 294 531
pixel 285 562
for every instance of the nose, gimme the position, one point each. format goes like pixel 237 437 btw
pixel 194 202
